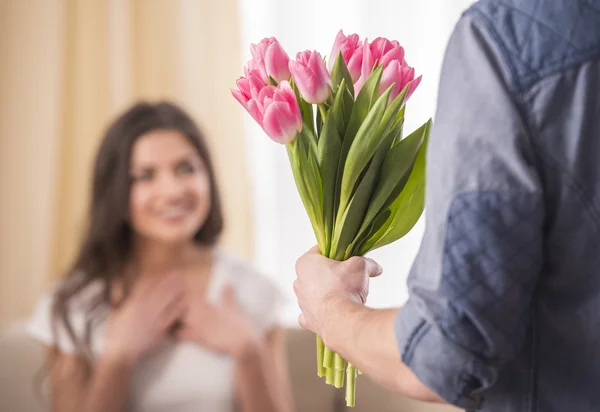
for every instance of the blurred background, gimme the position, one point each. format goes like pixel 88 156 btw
pixel 67 67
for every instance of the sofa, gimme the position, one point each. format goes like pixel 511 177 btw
pixel 22 357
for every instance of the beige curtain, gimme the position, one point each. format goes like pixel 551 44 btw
pixel 66 68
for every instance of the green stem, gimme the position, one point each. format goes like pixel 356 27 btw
pixel 330 376
pixel 323 111
pixel 328 358
pixel 339 366
pixel 351 386
pixel 320 352
pixel 339 378
pixel 338 362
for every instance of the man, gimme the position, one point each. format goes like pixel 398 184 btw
pixel 504 305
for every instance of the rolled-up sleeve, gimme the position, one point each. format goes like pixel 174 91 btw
pixel 471 285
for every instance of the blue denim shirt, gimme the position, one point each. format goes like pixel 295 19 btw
pixel 504 306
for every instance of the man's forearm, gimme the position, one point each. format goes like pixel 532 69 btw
pixel 366 338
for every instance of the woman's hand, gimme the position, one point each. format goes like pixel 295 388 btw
pixel 141 321
pixel 224 328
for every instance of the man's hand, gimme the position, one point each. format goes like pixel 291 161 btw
pixel 322 285
pixel 331 296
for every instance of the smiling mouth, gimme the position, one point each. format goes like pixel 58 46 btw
pixel 175 214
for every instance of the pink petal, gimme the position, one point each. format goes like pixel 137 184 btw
pixel 276 62
pixel 249 105
pixel 352 43
pixel 266 92
pixel 379 47
pixel 397 53
pixel 301 77
pixel 256 83
pixel 359 85
pixel 239 96
pixel 412 86
pixel 306 81
pixel 340 39
pixel 391 75
pixel 244 85
pixel 254 111
pixel 279 123
pixel 303 57
pixel 408 74
pixel 355 64
pixel 286 91
pixel 318 69
pixel 368 62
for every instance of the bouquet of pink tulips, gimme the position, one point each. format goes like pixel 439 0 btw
pixel 360 180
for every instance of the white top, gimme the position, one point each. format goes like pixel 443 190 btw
pixel 178 376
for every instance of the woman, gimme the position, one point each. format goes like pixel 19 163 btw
pixel 153 316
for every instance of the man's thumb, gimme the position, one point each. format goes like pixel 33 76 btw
pixel 374 269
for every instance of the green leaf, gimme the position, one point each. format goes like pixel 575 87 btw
pixel 335 118
pixel 378 224
pixel 340 72
pixel 398 126
pixel 348 106
pixel 363 147
pixel 358 112
pixel 364 102
pixel 375 127
pixel 295 154
pixel 396 167
pixel 306 110
pixel 314 182
pixel 306 155
pixel 408 207
pixel 347 226
pixel 308 118
pixel 376 234
pixel 319 124
pixel 350 221
pixel 329 147
pixel 338 113
pixel 399 187
pixel 383 228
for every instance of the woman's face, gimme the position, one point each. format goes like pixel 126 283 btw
pixel 170 190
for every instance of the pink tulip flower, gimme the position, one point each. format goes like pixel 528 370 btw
pixel 270 59
pixel 395 68
pixel 399 75
pixel 274 108
pixel 351 48
pixel 311 77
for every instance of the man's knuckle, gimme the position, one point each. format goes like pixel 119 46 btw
pixel 356 264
